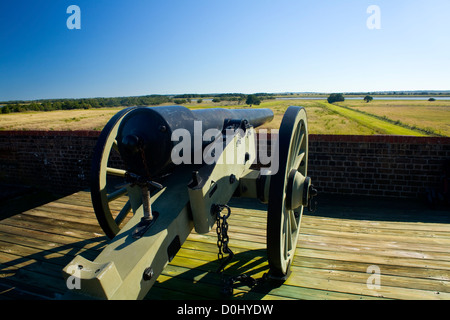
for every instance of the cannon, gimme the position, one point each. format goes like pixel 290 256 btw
pixel 177 169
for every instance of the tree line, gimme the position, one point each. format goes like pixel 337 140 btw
pixel 150 100
pixel 69 104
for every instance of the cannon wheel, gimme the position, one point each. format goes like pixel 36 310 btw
pixel 283 225
pixel 100 171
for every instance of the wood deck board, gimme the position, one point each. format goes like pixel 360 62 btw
pixel 332 256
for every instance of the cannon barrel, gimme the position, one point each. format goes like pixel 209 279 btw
pixel 144 137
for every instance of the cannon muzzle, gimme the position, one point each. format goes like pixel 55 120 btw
pixel 145 140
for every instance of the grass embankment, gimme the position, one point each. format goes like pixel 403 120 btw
pixel 321 120
pixel 380 126
pixel 325 118
pixel 430 117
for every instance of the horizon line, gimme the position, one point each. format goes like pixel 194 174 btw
pixel 391 92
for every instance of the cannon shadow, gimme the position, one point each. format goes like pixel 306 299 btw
pixel 379 209
pixel 15 199
pixel 38 276
pixel 204 282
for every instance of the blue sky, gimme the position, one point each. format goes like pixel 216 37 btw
pixel 137 47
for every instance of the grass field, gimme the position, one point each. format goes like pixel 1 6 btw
pixel 430 116
pixel 321 120
pixel 401 117
pixel 380 126
pixel 79 119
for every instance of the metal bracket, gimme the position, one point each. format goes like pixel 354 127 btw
pixel 216 183
pixel 144 225
pixel 312 192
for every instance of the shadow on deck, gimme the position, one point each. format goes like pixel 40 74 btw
pixel 406 240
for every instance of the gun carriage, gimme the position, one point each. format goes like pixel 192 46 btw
pixel 174 184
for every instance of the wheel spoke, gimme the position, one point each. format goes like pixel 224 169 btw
pixel 115 146
pixel 296 149
pixel 116 194
pixel 294 224
pixel 293 151
pixel 287 234
pixel 283 249
pixel 115 172
pixel 299 160
pixel 300 142
pixel 123 213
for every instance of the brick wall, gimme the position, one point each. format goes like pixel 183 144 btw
pixel 57 161
pixel 392 166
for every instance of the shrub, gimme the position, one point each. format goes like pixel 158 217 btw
pixel 335 97
pixel 368 99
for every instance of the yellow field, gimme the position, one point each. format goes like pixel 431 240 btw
pixel 320 120
pixel 91 119
pixel 422 114
pixel 322 117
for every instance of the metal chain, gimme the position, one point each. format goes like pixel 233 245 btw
pixel 230 283
pixel 222 243
pixel 222 236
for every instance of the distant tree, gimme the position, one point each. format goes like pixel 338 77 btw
pixel 180 101
pixel 253 100
pixel 368 99
pixel 199 100
pixel 335 97
pixel 5 109
pixel 432 99
pixel 215 100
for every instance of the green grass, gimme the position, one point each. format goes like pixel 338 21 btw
pixel 374 123
pixel 320 119
pixel 430 117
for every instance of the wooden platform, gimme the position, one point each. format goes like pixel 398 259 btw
pixel 409 244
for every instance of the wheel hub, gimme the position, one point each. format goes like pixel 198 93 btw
pixel 298 190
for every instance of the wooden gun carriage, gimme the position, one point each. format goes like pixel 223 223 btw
pixel 180 169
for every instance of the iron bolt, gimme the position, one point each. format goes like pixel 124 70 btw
pixel 148 274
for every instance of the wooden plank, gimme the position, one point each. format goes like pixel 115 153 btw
pixel 94 244
pixel 59 257
pixel 362 289
pixel 11 289
pixel 372 231
pixel 361 266
pixel 77 230
pixel 301 274
pixel 374 249
pixel 318 222
pixel 201 269
pixel 65 210
pixel 418 272
pixel 387 237
pixel 360 242
pixel 331 262
pixel 374 260
pixel 61 216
